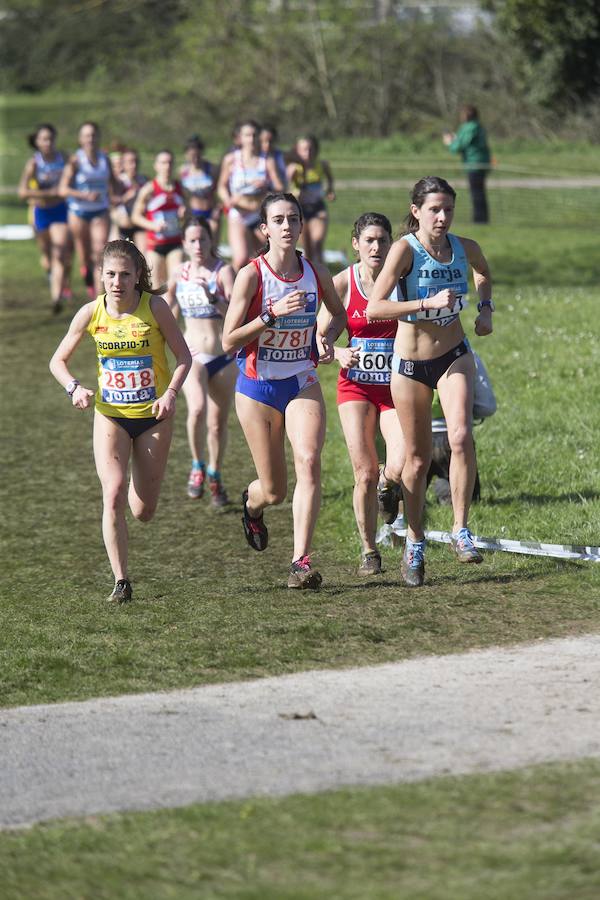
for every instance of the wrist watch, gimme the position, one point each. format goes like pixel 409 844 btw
pixel 483 303
pixel 71 387
pixel 268 318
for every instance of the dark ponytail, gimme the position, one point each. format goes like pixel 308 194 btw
pixel 371 218
pixel 45 126
pixel 431 184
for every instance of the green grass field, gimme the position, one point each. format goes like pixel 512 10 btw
pixel 527 835
pixel 207 609
pixel 399 155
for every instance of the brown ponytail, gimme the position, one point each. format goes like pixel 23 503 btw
pixel 128 250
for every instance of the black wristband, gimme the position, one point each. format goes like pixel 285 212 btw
pixel 268 318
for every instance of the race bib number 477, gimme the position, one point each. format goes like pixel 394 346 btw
pixel 127 379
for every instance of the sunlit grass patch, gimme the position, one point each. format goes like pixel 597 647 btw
pixel 206 608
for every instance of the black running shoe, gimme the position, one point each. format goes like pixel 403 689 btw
pixel 389 495
pixel 254 528
pixel 303 576
pixel 121 593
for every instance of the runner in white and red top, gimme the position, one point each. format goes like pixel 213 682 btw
pixel 245 179
pixel 200 289
pixel 363 395
pixel 288 348
pixel 159 208
pixel 271 322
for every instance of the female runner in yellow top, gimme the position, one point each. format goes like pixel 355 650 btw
pixel 311 181
pixel 135 400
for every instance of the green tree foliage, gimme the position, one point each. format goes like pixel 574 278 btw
pixel 560 46
pixel 336 68
pixel 172 67
pixel 64 42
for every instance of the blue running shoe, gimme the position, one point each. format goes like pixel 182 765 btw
pixel 464 548
pixel 413 563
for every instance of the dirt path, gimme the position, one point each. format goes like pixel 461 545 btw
pixel 582 181
pixel 474 712
pixel 369 184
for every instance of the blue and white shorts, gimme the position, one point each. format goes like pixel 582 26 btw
pixel 276 392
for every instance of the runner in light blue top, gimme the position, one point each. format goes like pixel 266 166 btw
pixel 431 351
pixel 88 183
pixel 39 186
pixel 199 177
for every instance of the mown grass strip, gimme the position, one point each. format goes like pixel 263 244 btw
pixel 529 834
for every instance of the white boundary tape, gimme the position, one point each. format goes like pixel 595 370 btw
pixel 16 232
pixel 532 548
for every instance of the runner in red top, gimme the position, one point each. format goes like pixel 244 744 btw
pixel 159 208
pixel 363 393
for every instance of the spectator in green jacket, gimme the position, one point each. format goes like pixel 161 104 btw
pixel 471 142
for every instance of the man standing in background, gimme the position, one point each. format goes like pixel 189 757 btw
pixel 471 142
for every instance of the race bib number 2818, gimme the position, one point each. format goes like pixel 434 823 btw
pixel 127 380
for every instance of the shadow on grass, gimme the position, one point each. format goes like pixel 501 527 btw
pixel 367 586
pixel 233 508
pixel 542 499
pixel 465 577
pixel 511 578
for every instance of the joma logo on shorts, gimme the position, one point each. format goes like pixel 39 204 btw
pixel 409 367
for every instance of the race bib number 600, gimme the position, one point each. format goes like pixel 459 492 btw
pixel 170 220
pixel 127 379
pixel 375 360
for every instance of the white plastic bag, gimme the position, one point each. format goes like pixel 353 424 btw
pixel 484 399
